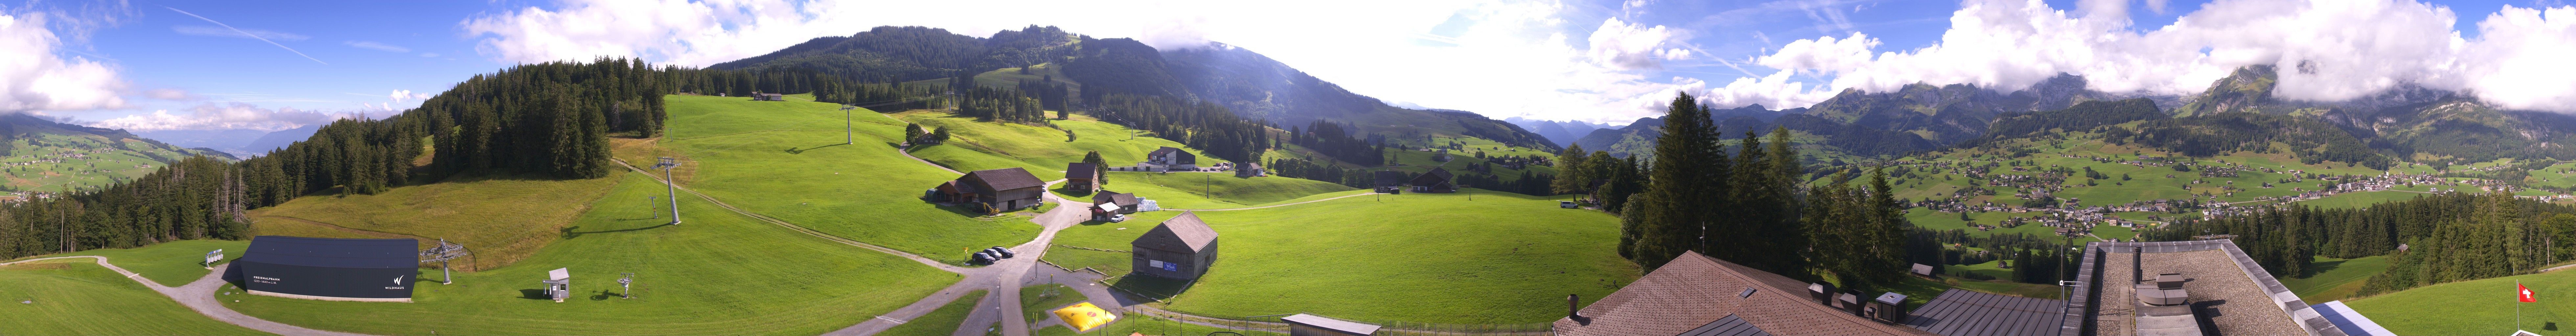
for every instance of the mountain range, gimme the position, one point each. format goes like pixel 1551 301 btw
pixel 2407 124
pixel 1246 82
pixel 238 142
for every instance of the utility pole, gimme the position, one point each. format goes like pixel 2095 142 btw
pixel 847 135
pixel 666 165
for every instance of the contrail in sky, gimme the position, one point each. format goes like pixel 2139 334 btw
pixel 255 36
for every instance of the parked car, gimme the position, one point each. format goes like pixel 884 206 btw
pixel 1566 204
pixel 998 252
pixel 981 257
pixel 1007 252
pixel 1117 218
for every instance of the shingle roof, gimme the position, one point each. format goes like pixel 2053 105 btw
pixel 1959 312
pixel 1006 179
pixel 1122 200
pixel 1184 233
pixel 333 252
pixel 1081 170
pixel 1729 326
pixel 1332 323
pixel 1694 290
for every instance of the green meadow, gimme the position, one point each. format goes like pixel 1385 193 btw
pixel 502 219
pixel 1407 257
pixel 941 321
pixel 2476 307
pixel 2336 279
pixel 79 297
pixel 714 274
pixel 172 263
pixel 783 160
pixel 1210 190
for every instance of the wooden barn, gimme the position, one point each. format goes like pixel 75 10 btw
pixel 1108 203
pixel 1248 169
pixel 1179 248
pixel 1172 159
pixel 1005 189
pixel 1081 177
pixel 1438 180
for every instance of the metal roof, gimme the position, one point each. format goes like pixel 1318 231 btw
pixel 1728 326
pixel 1333 324
pixel 334 252
pixel 1960 312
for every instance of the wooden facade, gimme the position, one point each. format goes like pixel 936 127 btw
pixel 1004 189
pixel 1082 177
pixel 1180 248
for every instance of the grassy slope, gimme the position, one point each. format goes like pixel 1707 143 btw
pixel 784 160
pixel 939 322
pixel 1211 190
pixel 716 274
pixel 1043 151
pixel 49 159
pixel 1040 309
pixel 502 219
pixel 170 263
pixel 2361 199
pixel 1407 258
pixel 2340 279
pixel 2475 307
pixel 78 297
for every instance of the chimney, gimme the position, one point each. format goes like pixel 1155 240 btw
pixel 1888 307
pixel 1850 303
pixel 1570 311
pixel 1822 292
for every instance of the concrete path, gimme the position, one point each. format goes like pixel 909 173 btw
pixel 200 296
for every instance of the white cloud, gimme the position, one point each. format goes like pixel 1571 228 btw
pixel 33 77
pixel 377 46
pixel 2325 50
pixel 225 116
pixel 1620 45
pixel 1775 92
pixel 210 31
pixel 168 94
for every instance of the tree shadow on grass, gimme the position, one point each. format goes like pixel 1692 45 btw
pixel 2322 267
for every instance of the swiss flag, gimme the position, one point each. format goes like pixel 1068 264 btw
pixel 2525 294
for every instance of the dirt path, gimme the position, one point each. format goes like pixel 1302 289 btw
pixel 200 296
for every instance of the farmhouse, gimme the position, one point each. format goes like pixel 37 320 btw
pixel 1179 248
pixel 1172 159
pixel 1082 177
pixel 1249 169
pixel 328 268
pixel 1108 203
pixel 1003 189
pixel 1389 181
pixel 1438 180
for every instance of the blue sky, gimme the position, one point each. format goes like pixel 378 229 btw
pixel 147 65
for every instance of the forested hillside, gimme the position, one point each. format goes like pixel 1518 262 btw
pixel 544 121
pixel 1247 84
pixel 42 157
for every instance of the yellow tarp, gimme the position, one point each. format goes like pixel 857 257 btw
pixel 1084 316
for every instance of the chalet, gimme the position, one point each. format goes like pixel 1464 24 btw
pixel 1441 155
pixel 1698 295
pixel 1389 181
pixel 1082 177
pixel 756 96
pixel 1248 169
pixel 1172 159
pixel 1438 180
pixel 1179 248
pixel 1108 203
pixel 1003 189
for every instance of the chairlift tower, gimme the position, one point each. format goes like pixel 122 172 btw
pixel 849 136
pixel 666 165
pixel 442 253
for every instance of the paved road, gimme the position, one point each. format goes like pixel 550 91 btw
pixel 200 296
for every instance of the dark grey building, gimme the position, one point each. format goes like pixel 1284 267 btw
pixel 1179 248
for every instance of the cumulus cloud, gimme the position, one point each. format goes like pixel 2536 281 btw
pixel 33 77
pixel 223 116
pixel 168 94
pixel 2325 50
pixel 1633 46
pixel 377 46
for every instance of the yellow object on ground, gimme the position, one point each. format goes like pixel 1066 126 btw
pixel 1084 316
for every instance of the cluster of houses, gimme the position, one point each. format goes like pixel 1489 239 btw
pixel 1437 180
